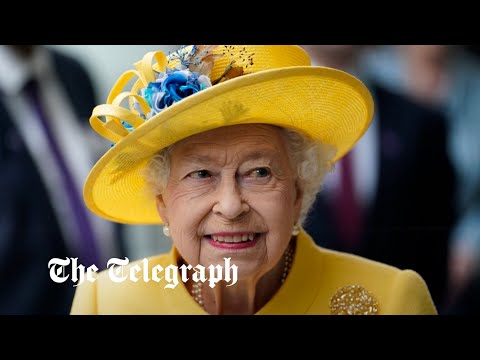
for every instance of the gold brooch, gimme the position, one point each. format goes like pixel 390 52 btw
pixel 353 300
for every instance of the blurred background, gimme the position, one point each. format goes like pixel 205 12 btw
pixel 413 180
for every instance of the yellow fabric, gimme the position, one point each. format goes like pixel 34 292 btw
pixel 315 276
pixel 280 88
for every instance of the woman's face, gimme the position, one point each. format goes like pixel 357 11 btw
pixel 231 194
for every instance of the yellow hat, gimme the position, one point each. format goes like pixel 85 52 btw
pixel 227 85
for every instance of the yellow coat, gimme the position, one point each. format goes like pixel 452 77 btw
pixel 318 279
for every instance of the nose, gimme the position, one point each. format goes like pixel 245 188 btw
pixel 230 204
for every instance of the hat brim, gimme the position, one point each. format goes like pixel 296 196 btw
pixel 328 105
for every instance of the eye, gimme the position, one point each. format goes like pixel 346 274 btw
pixel 200 174
pixel 261 172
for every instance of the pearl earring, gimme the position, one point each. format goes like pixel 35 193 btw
pixel 295 230
pixel 166 230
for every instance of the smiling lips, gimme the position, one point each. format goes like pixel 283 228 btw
pixel 233 240
pixel 232 237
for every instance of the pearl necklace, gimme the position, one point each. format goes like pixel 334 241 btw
pixel 287 265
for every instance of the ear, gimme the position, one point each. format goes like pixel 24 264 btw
pixel 297 204
pixel 161 208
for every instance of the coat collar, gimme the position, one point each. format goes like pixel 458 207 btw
pixel 294 297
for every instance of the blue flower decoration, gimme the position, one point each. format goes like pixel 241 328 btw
pixel 171 87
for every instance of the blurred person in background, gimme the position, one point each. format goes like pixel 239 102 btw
pixel 44 159
pixel 391 195
pixel 446 78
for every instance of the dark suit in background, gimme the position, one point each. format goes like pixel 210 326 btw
pixel 29 228
pixel 409 220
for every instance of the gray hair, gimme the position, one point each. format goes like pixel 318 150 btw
pixel 313 160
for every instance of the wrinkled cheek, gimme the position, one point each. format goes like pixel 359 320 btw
pixel 282 206
pixel 280 219
pixel 188 245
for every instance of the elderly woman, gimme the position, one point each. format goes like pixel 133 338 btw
pixel 227 146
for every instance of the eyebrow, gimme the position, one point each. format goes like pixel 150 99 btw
pixel 256 154
pixel 253 155
pixel 197 158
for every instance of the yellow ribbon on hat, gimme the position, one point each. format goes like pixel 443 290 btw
pixel 112 128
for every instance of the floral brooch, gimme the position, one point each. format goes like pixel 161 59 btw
pixel 353 300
